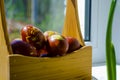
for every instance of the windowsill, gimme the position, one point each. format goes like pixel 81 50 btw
pixel 100 72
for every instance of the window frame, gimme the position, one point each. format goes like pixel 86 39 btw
pixel 94 35
pixel 99 20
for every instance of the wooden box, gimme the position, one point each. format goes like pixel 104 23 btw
pixel 74 66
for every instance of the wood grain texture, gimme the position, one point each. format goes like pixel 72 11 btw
pixel 4 59
pixel 71 24
pixel 74 66
pixel 4 24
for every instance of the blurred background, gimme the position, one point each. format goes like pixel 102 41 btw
pixel 44 14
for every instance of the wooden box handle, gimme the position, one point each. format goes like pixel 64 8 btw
pixel 71 23
pixel 4 45
pixel 4 26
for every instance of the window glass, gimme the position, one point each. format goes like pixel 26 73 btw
pixel 44 14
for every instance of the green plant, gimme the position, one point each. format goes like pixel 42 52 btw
pixel 110 50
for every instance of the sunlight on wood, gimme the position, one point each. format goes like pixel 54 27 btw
pixel 71 24
pixel 4 59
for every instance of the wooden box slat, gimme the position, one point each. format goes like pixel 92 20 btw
pixel 76 65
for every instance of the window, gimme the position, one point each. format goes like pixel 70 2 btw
pixel 45 14
pixel 49 15
pixel 84 10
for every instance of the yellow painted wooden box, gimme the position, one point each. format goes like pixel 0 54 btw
pixel 74 66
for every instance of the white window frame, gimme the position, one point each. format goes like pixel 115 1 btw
pixel 99 20
pixel 94 28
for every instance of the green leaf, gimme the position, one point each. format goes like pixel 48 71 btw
pixel 113 62
pixel 110 51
